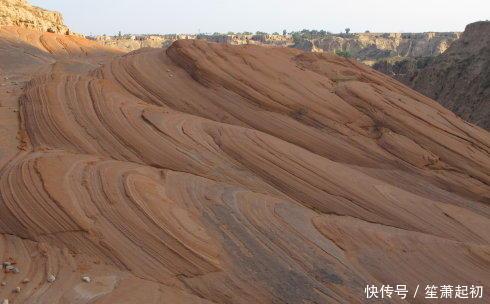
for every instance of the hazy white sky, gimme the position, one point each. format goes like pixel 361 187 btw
pixel 191 16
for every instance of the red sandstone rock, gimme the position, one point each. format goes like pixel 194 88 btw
pixel 253 175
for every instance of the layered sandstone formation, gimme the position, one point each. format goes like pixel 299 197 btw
pixel 208 173
pixel 20 13
pixel 459 79
pixel 25 53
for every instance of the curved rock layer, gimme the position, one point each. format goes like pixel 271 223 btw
pixel 209 173
pixel 28 41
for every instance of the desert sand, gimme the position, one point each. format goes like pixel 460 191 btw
pixel 209 173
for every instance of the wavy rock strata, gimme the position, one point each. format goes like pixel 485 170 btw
pixel 209 173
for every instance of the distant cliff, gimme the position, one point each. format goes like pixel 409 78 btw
pixel 367 47
pixel 459 78
pixel 133 42
pixel 371 47
pixel 130 43
pixel 22 14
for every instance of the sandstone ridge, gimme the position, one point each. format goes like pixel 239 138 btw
pixel 208 173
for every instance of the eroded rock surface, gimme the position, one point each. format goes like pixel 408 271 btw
pixel 367 47
pixel 459 78
pixel 371 47
pixel 20 13
pixel 209 173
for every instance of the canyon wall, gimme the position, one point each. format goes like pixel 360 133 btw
pixel 459 78
pixel 130 43
pixel 374 46
pixel 367 47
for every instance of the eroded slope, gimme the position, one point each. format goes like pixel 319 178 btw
pixel 459 78
pixel 227 174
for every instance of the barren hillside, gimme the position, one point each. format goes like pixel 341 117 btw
pixel 459 78
pixel 209 173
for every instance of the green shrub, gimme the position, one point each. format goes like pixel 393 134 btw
pixel 344 54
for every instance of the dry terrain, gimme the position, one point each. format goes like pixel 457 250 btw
pixel 459 78
pixel 215 174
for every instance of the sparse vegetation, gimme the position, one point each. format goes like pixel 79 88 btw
pixel 344 54
pixel 311 34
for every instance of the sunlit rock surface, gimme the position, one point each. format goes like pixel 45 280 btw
pixel 209 173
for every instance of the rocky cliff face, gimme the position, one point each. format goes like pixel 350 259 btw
pixel 375 46
pixel 22 14
pixel 367 47
pixel 134 42
pixel 130 43
pixel 459 78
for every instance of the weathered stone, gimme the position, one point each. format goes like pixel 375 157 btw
pixel 21 13
pixel 86 279
pixel 51 278
pixel 9 268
